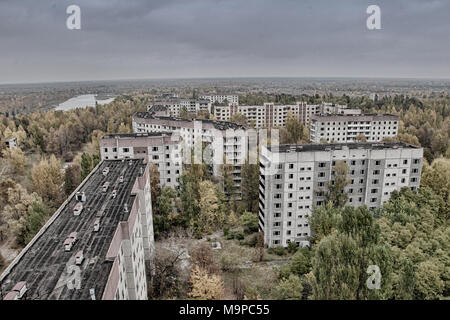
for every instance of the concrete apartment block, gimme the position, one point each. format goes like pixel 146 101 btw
pixel 222 138
pixel 345 128
pixel 159 148
pixel 111 241
pixel 294 178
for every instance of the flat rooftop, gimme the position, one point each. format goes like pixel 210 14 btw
pixel 136 135
pixel 364 116
pixel 44 264
pixel 340 146
pixel 219 125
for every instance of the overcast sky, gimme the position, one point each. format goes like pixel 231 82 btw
pixel 136 39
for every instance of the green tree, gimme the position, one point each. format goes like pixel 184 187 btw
pixel 86 165
pixel 166 206
pixel 249 221
pixel 336 189
pixel 71 178
pixel 289 289
pixel 37 215
pixel 250 186
pixel 342 259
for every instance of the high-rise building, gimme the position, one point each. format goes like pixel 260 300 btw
pixel 274 115
pixel 98 245
pixel 346 128
pixel 174 106
pixel 294 179
pixel 223 140
pixel 222 98
pixel 158 148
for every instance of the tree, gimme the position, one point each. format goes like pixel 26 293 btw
pixel 343 257
pixel 336 189
pixel 189 199
pixel 71 178
pixel 16 158
pixel 202 256
pixel 360 138
pixel 123 128
pixel 205 286
pixel 210 214
pixel 249 221
pixel 301 262
pixel 2 262
pixel 294 130
pixel 86 165
pixel 250 186
pixel 239 119
pixel 289 289
pixel 226 171
pixel 260 247
pixel 155 186
pixel 47 180
pixel 437 178
pixel 165 203
pixel 37 215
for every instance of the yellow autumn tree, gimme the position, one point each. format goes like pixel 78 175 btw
pixel 16 158
pixel 205 286
pixel 47 180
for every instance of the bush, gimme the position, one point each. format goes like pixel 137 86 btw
pixel 289 289
pixel 279 251
pixel 2 262
pixel 292 247
pixel 202 255
pixel 236 233
pixel 250 240
pixel 249 222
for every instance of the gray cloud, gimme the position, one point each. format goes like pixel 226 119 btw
pixel 222 38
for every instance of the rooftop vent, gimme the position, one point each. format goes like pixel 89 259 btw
pixel 78 209
pixel 92 293
pixel 80 196
pixel 125 207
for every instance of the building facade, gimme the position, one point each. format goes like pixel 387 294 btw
pixel 158 148
pixel 294 180
pixel 273 115
pixel 224 141
pixel 98 245
pixel 217 98
pixel 346 128
pixel 174 106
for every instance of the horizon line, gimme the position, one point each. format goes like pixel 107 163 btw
pixel 224 78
